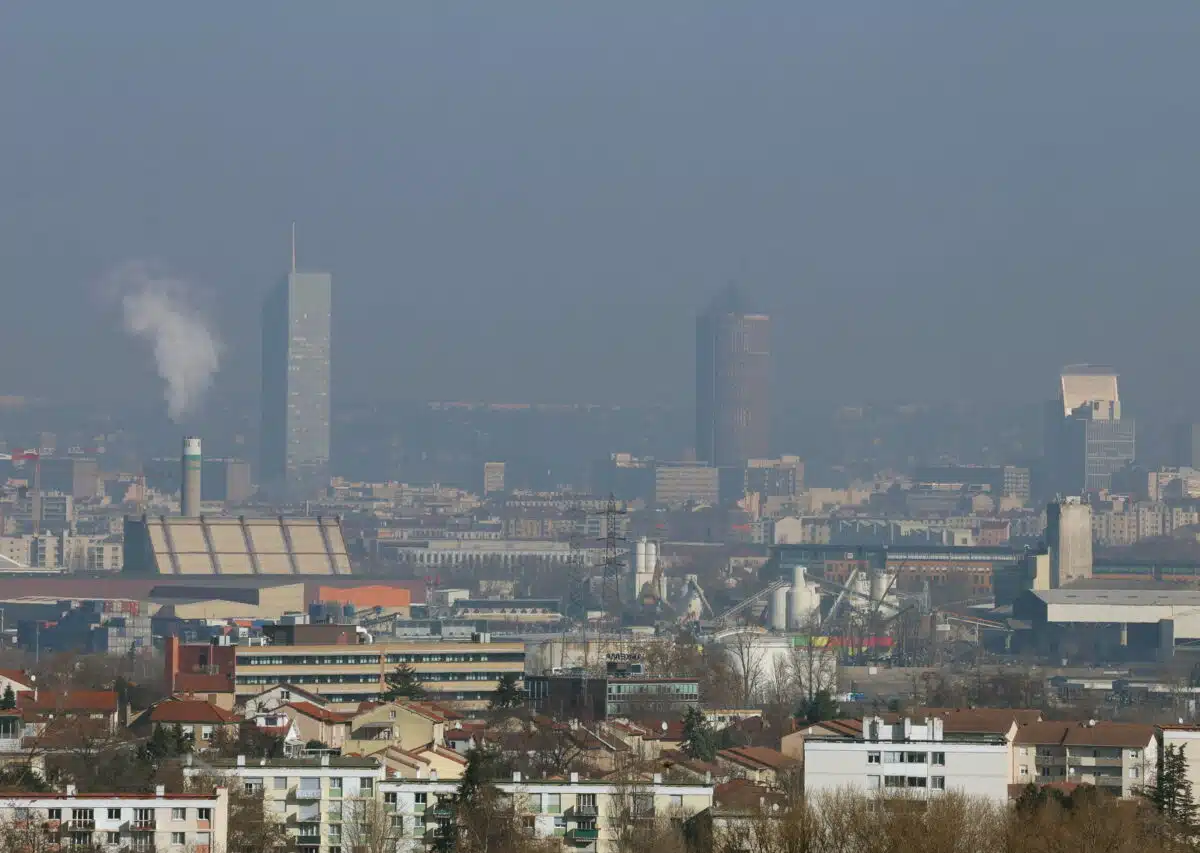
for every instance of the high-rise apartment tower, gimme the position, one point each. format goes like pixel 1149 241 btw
pixel 733 382
pixel 295 384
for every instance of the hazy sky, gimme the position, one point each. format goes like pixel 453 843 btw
pixel 531 200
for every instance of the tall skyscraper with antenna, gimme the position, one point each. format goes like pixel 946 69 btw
pixel 296 319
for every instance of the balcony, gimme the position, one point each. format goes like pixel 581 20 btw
pixel 584 810
pixel 144 825
pixel 1089 761
pixel 308 793
pixel 584 836
pixel 82 825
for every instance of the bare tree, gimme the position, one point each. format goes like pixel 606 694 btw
pixel 749 658
pixel 635 826
pixel 371 826
pixel 814 668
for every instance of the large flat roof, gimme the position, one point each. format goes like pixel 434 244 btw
pixel 1122 597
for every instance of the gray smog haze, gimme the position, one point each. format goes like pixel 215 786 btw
pixel 530 201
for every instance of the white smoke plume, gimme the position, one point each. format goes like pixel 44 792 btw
pixel 162 311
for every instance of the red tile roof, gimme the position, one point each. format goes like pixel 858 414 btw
pixel 70 702
pixel 1134 735
pixel 323 714
pixel 191 711
pixel 758 758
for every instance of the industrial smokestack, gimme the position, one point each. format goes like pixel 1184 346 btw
pixel 189 490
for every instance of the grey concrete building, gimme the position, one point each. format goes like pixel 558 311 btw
pixel 296 320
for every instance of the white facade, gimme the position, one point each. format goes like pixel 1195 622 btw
pixel 909 758
pixel 584 814
pixel 175 823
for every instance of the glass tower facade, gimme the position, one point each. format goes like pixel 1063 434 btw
pixel 295 386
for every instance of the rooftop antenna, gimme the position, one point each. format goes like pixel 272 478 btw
pixel 293 247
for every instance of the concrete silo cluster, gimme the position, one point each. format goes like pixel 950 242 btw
pixel 793 605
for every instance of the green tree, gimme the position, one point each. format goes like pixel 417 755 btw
pixel 403 683
pixel 9 701
pixel 821 707
pixel 507 694
pixel 699 739
pixel 1172 791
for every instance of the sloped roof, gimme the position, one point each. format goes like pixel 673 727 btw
pixel 758 758
pixel 20 677
pixel 70 701
pixel 1133 735
pixel 191 711
pixel 323 714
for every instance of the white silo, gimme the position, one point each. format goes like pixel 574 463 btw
pixel 879 587
pixel 802 601
pixel 777 614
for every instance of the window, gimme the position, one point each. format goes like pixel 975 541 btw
pixel 893 757
pixel 873 758
pixel 254 786
pixel 206 732
pixel 917 781
pixel 204 816
pixel 285 695
pixel 366 786
pixel 114 814
pixel 335 786
pixel 179 838
pixel 419 801
pixel 178 814
pixel 1024 770
pixel 112 837
pixel 893 781
pixel 54 814
pixel 1134 772
pixel 1024 750
pixel 554 803
pixel 873 783
pixel 938 783
pixel 280 783
pixel 939 758
pixel 143 819
pixel 1135 753
pixel 334 811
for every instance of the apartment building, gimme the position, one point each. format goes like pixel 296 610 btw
pixel 909 756
pixel 585 814
pixel 1119 757
pixel 165 823
pixel 308 794
pixel 1187 738
pixel 462 672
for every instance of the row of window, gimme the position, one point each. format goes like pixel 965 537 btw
pixel 670 688
pixel 373 659
pixel 139 815
pixel 937 783
pixel 305 784
pixel 935 758
pixel 368 678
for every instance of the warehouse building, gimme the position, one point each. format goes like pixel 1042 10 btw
pixel 1109 624
pixel 208 545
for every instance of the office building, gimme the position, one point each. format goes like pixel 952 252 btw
pixel 1185 450
pixel 907 757
pixel 577 696
pixel 464 672
pixel 296 319
pixel 1087 439
pixel 493 478
pixel 733 382
pixel 678 484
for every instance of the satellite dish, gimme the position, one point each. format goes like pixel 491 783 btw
pixel 664 725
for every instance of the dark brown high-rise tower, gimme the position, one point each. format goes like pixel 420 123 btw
pixel 733 382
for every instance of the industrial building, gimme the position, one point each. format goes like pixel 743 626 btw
pixel 575 695
pixel 1110 624
pixel 210 545
pixel 222 479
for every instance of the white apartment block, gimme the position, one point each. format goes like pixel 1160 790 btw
pixel 907 757
pixel 311 796
pixel 159 822
pixel 584 814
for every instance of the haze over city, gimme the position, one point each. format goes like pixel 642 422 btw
pixel 530 201
pixel 661 427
